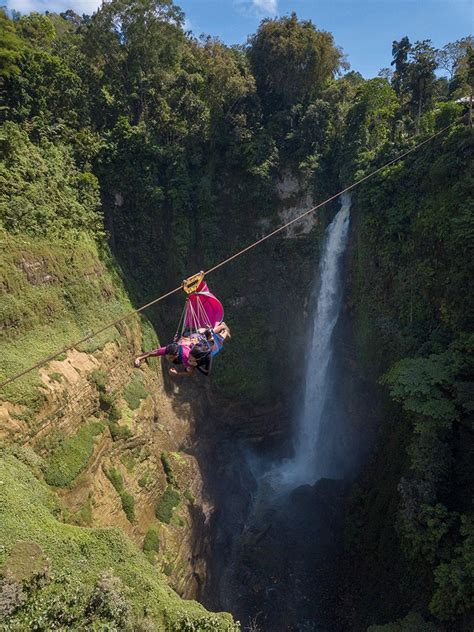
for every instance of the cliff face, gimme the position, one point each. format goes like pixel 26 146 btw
pixel 113 443
pixel 408 310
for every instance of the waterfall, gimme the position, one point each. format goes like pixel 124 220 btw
pixel 308 463
pixel 278 564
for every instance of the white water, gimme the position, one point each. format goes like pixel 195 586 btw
pixel 307 466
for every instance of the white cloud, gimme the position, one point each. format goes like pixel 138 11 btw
pixel 252 8
pixel 266 6
pixel 23 6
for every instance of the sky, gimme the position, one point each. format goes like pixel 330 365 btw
pixel 364 29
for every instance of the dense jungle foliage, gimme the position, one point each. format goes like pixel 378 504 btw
pixel 121 130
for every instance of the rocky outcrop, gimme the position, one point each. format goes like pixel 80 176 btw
pixel 143 444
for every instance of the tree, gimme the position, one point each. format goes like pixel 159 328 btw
pixel 451 56
pixel 37 29
pixel 134 46
pixel 400 51
pixel 291 60
pixel 421 77
pixel 454 593
pixel 11 47
pixel 369 120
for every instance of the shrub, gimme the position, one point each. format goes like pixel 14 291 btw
pixel 189 497
pixel 209 623
pixel 27 455
pixel 151 543
pixel 168 502
pixel 128 505
pixel 106 401
pixel 114 413
pixel 167 469
pixel 50 442
pixel 115 478
pixel 128 460
pixel 144 624
pixel 100 379
pixel 128 501
pixel 107 600
pixel 146 481
pixel 119 432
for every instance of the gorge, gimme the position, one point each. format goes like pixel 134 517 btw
pixel 293 515
pixel 320 478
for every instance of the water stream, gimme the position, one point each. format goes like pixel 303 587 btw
pixel 310 461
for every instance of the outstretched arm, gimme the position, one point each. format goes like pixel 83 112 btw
pixel 156 352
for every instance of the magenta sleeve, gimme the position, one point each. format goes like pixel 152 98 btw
pixel 161 351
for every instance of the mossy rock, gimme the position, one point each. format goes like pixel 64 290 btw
pixel 71 458
pixel 25 562
pixel 135 391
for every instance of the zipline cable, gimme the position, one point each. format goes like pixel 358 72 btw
pixel 314 208
pixel 88 337
pixel 225 261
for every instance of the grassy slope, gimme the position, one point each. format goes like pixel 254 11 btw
pixel 56 292
pixel 27 509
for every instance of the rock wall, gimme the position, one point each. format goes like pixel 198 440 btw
pixel 159 428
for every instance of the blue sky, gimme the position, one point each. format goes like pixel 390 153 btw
pixel 364 29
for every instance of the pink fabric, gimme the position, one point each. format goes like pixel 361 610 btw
pixel 186 351
pixel 186 346
pixel 203 309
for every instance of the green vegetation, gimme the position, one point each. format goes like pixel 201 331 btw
pixel 54 295
pixel 118 431
pixel 57 377
pixel 413 622
pixel 189 496
pixel 151 543
pixel 413 333
pixel 168 503
pixel 68 203
pixel 100 380
pixel 135 391
pixel 106 399
pixel 170 478
pixel 123 107
pixel 77 558
pixel 116 479
pixel 72 456
pixel 147 480
pixel 82 518
pixel 128 501
pixel 128 460
pixel 128 505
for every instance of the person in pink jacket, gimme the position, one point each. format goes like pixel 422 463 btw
pixel 207 343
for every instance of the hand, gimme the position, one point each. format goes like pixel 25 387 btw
pixel 137 362
pixel 173 371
